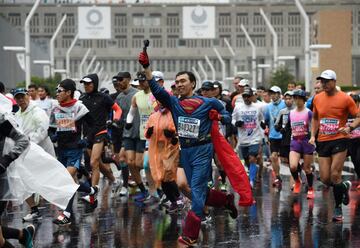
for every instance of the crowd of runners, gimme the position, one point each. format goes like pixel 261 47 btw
pixel 167 143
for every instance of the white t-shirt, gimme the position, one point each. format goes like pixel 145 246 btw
pixel 250 133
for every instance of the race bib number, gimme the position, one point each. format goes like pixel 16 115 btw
pixel 143 120
pixel 65 122
pixel 188 127
pixel 298 128
pixel 329 126
pixel 354 133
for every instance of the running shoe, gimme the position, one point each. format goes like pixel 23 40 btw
pixel 142 196
pixel 124 192
pixel 206 219
pixel 62 220
pixel 29 234
pixel 33 216
pixel 346 198
pixel 223 187
pixel 151 199
pixel 231 206
pixel 310 193
pixel 173 209
pixel 211 184
pixel 297 187
pixel 277 182
pixel 115 190
pixel 338 216
pixel 187 241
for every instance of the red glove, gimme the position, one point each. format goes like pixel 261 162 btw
pixel 144 59
pixel 214 115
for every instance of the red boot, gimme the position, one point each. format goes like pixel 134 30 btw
pixel 191 229
pixel 219 199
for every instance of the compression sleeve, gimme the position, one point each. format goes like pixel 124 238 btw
pixel 118 111
pixel 131 114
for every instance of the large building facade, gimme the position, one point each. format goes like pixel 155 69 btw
pixel 161 23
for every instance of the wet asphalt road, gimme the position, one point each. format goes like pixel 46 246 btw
pixel 278 219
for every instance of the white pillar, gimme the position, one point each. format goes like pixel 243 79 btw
pixel 211 67
pixel 253 57
pixel 27 44
pixel 83 62
pixel 306 44
pixel 52 42
pixel 68 55
pixel 197 75
pixel 223 66
pixel 275 39
pixel 202 70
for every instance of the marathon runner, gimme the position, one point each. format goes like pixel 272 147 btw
pixel 299 126
pixel 354 148
pixel 330 113
pixel 100 105
pixel 248 118
pixel 131 149
pixel 193 120
pixel 67 119
pixel 271 113
pixel 280 124
pixel 45 102
pixel 141 105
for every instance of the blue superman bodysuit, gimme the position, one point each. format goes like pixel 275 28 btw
pixel 191 118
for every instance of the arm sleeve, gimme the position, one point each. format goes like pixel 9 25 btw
pixel 118 111
pixel 21 141
pixel 41 122
pixel 267 114
pixel 234 116
pixel 278 123
pixel 131 114
pixel 160 94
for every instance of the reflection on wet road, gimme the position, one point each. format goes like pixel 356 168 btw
pixel 279 219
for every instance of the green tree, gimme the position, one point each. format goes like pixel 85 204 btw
pixel 281 77
pixel 51 83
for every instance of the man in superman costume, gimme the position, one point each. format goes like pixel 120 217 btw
pixel 193 117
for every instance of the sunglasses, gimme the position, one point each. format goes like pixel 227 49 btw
pixel 325 81
pixel 59 90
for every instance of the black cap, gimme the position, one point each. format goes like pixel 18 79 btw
pixel 248 91
pixel 207 85
pixel 68 84
pixel 17 91
pixel 120 76
pixel 140 76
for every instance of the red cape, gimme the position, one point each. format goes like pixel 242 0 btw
pixel 232 165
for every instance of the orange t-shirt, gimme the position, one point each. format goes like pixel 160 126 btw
pixel 333 112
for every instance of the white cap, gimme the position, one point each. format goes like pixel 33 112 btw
pixel 135 83
pixel 276 89
pixel 327 74
pixel 289 92
pixel 158 75
pixel 244 82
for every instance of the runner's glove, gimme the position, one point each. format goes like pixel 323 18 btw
pixel 263 125
pixel 5 161
pixel 53 137
pixel 174 141
pixel 144 59
pixel 214 115
pixel 128 126
pixel 169 134
pixel 149 132
pixel 83 143
pixel 239 124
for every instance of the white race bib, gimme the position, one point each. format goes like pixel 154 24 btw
pixel 329 126
pixel 188 127
pixel 65 122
